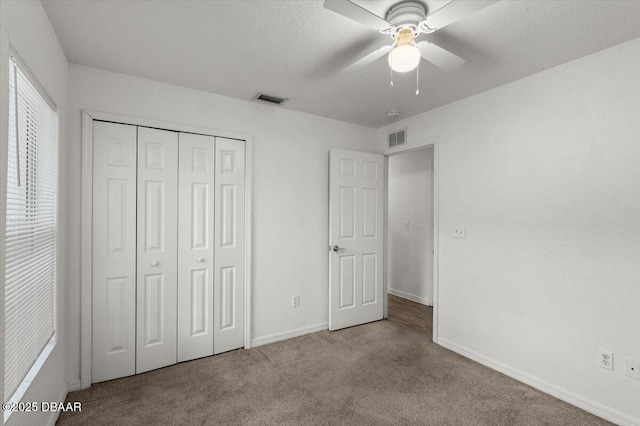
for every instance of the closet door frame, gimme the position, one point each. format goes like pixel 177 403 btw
pixel 86 260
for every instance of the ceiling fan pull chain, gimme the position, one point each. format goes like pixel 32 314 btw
pixel 391 76
pixel 418 79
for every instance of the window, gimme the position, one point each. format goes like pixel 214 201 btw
pixel 30 267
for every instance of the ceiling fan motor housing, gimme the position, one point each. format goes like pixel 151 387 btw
pixel 406 15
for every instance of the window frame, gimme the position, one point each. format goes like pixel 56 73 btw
pixel 23 386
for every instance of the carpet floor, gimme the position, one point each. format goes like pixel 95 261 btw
pixel 386 372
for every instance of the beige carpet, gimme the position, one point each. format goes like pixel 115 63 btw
pixel 376 374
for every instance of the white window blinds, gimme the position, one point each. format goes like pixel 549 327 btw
pixel 30 268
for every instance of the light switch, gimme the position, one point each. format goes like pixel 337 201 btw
pixel 458 232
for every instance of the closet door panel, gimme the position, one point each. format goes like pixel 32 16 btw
pixel 157 252
pixel 195 246
pixel 229 245
pixel 114 251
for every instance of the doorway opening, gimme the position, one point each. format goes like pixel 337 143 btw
pixel 410 239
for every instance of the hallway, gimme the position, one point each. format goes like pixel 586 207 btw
pixel 411 315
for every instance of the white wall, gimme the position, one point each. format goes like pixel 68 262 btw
pixel 410 249
pixel 26 27
pixel 290 186
pixel 544 173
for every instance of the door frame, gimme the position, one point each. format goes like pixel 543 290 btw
pixel 413 146
pixel 88 116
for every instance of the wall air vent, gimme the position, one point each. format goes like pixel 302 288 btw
pixel 397 138
pixel 269 98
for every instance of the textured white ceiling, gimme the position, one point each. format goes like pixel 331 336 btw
pixel 295 49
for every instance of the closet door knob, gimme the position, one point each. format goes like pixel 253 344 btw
pixel 155 263
pixel 200 260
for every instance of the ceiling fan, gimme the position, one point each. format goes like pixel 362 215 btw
pixel 404 22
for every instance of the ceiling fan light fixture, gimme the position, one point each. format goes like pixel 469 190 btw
pixel 404 58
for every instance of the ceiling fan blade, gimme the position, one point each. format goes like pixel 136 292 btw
pixel 367 60
pixel 438 56
pixel 357 13
pixel 452 12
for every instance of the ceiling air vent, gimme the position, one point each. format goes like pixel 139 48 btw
pixel 398 138
pixel 269 98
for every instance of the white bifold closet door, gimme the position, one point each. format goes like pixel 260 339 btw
pixel 229 245
pixel 168 248
pixel 157 262
pixel 195 246
pixel 211 246
pixel 113 351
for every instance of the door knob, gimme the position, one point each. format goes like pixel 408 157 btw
pixel 338 249
pixel 155 263
pixel 200 260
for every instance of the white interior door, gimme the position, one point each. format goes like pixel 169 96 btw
pixel 114 251
pixel 195 246
pixel 229 245
pixel 157 249
pixel 356 197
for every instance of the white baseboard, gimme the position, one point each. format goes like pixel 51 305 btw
pixel 74 386
pixel 276 337
pixel 53 415
pixel 412 297
pixel 579 401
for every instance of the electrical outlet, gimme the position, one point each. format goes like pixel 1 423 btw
pixel 458 232
pixel 406 224
pixel 295 301
pixel 632 368
pixel 606 359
